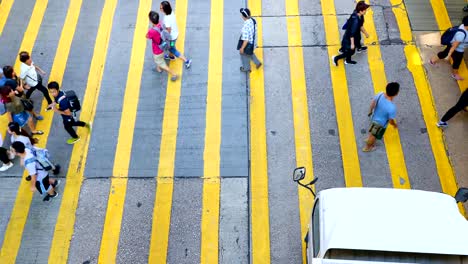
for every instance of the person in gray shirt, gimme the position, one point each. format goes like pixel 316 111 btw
pixel 455 50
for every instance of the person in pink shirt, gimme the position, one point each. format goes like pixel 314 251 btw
pixel 154 34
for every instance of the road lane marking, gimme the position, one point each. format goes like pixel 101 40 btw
pixel 15 228
pixel 66 217
pixel 351 166
pixel 300 114
pixel 5 8
pixel 260 212
pixel 211 154
pixel 423 88
pixel 165 178
pixel 443 21
pixel 116 202
pixel 395 156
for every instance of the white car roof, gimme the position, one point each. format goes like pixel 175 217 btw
pixel 392 220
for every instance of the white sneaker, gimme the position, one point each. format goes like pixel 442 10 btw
pixel 6 166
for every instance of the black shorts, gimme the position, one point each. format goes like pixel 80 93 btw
pixel 457 57
pixel 44 185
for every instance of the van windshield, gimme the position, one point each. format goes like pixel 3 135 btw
pixel 388 256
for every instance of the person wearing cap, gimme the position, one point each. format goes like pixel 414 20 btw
pixel 248 36
pixel 352 37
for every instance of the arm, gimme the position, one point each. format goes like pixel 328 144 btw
pixel 244 44
pixel 64 112
pixel 371 108
pixel 352 43
pixel 393 123
pixel 363 30
pixel 168 29
pixel 39 69
pixel 33 182
pixel 10 117
pixel 452 49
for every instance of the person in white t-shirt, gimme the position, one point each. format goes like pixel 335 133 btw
pixel 40 180
pixel 171 25
pixel 33 80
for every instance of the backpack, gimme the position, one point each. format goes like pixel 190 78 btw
pixel 449 34
pixel 41 157
pixel 165 37
pixel 73 100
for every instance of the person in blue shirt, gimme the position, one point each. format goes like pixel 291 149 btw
pixel 383 112
pixel 62 106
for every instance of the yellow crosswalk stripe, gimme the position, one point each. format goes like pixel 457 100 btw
pixel 20 211
pixel 351 167
pixel 66 217
pixel 300 113
pixel 115 205
pixel 395 156
pixel 260 213
pixel 211 154
pixel 423 88
pixel 443 21
pixel 5 8
pixel 165 177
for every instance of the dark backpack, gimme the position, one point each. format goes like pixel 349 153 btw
pixel 449 34
pixel 73 100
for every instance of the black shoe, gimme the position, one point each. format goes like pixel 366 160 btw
pixel 54 195
pixel 335 60
pixel 56 183
pixel 56 170
pixel 350 62
pixel 361 49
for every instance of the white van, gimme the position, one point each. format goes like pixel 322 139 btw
pixel 380 225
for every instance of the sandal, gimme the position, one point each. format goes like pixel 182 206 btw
pixel 38 132
pixel 368 149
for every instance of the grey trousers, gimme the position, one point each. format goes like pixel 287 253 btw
pixel 246 60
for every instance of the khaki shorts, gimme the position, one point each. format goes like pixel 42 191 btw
pixel 159 60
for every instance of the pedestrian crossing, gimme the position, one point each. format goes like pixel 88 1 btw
pixel 198 170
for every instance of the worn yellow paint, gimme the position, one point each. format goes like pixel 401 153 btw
pixel 66 218
pixel 115 205
pixel 351 167
pixel 165 177
pixel 5 8
pixel 423 88
pixel 395 156
pixel 260 214
pixel 300 114
pixel 15 228
pixel 211 154
pixel 443 21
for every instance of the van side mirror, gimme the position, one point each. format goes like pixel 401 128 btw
pixel 299 174
pixel 461 195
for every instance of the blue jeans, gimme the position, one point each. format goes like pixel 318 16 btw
pixel 172 48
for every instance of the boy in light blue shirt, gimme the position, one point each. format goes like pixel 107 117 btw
pixel 455 50
pixel 383 112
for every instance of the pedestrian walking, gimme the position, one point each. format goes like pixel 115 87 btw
pixel 248 41
pixel 39 176
pixel 154 34
pixel 171 26
pixel 16 111
pixel 5 157
pixel 62 106
pixel 460 105
pixel 16 85
pixel 351 41
pixel 454 49
pixel 18 134
pixel 32 79
pixel 382 112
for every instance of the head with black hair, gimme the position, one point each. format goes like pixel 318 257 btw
pixel 15 129
pixel 392 89
pixel 166 7
pixel 8 72
pixel 24 57
pixel 465 21
pixel 154 17
pixel 19 147
pixel 361 7
pixel 245 12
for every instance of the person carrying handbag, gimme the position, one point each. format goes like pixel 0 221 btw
pixel 247 41
pixel 382 112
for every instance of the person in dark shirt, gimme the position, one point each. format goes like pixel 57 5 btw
pixel 352 36
pixel 62 106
